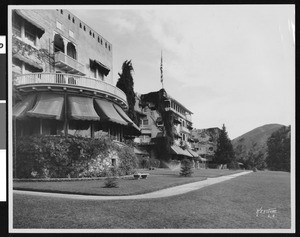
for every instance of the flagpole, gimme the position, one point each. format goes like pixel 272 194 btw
pixel 161 71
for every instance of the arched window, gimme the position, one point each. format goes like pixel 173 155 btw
pixel 61 11
pixel 71 50
pixel 58 43
pixel 69 17
pixel 73 20
pixel 84 28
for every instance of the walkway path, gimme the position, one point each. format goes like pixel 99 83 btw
pixel 181 189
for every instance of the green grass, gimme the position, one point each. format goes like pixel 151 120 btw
pixel 158 179
pixel 230 204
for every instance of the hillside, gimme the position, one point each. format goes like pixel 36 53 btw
pixel 260 135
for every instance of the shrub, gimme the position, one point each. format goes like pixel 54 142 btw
pixel 58 157
pixel 154 162
pixel 128 161
pixel 112 180
pixel 186 168
pixel 144 162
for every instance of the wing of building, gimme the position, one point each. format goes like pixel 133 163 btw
pixel 163 116
pixel 62 74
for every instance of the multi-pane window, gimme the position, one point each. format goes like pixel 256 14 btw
pixel 145 122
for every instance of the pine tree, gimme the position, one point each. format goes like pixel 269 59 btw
pixel 126 84
pixel 186 168
pixel 224 153
pixel 279 154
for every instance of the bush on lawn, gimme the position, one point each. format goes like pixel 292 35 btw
pixel 186 168
pixel 60 157
pixel 128 161
pixel 154 163
pixel 144 162
pixel 112 180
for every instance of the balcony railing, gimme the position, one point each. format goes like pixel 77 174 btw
pixel 63 60
pixel 41 79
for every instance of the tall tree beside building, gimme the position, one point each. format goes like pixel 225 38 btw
pixel 224 153
pixel 279 153
pixel 126 84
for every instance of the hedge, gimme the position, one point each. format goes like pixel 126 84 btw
pixel 72 157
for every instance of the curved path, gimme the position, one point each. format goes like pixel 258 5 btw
pixel 181 189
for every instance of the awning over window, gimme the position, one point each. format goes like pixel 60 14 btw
pixel 193 153
pixel 82 108
pixel 48 106
pixel 20 109
pixel 139 152
pixel 28 61
pixel 126 118
pixel 203 159
pixel 108 113
pixel 101 67
pixel 179 151
pixel 23 14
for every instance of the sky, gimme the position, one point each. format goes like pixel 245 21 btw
pixel 228 64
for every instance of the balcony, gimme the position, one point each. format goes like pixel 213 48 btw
pixel 72 83
pixel 66 63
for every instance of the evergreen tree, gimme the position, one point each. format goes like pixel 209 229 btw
pixel 279 154
pixel 224 153
pixel 255 159
pixel 186 168
pixel 125 83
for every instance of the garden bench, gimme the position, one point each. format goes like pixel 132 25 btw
pixel 138 176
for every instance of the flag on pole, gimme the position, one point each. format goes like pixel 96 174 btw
pixel 161 69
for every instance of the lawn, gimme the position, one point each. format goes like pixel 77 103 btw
pixel 230 204
pixel 158 179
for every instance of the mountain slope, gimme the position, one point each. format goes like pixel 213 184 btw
pixel 258 136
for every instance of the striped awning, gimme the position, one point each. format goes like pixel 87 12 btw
pixel 20 109
pixel 179 151
pixel 82 108
pixel 193 153
pixel 126 118
pixel 48 106
pixel 107 112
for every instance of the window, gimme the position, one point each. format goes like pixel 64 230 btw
pixel 30 33
pixel 113 162
pixel 61 11
pixel 16 27
pixel 59 25
pixel 69 17
pixel 90 32
pixel 98 39
pixel 84 28
pixel 71 50
pixel 105 45
pixel 93 35
pixel 80 25
pixel 109 47
pixel 71 33
pixel 58 44
pixel 101 41
pixel 73 20
pixel 145 122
